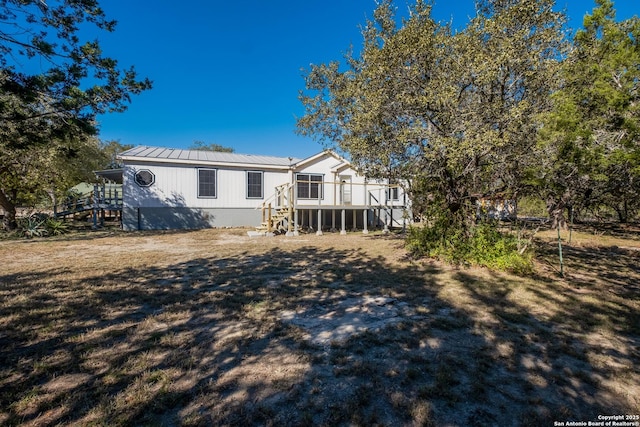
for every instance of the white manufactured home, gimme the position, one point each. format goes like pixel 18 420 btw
pixel 167 188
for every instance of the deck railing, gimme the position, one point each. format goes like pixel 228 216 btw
pixel 283 205
pixel 273 207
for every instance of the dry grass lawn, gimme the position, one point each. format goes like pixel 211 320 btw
pixel 215 328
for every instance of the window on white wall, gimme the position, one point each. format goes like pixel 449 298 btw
pixel 393 193
pixel 254 185
pixel 144 178
pixel 206 183
pixel 393 190
pixel 309 186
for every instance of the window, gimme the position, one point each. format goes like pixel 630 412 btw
pixel 309 186
pixel 254 185
pixel 144 178
pixel 206 183
pixel 392 192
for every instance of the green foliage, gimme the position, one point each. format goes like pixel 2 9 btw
pixel 439 238
pixel 41 225
pixel 532 206
pixel 109 150
pixel 203 146
pixel 505 106
pixel 454 114
pixel 32 226
pixel 483 245
pixel 76 79
pixel 497 250
pixel 55 227
pixel 588 152
pixel 32 174
pixel 48 119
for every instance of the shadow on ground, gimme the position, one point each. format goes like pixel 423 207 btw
pixel 203 342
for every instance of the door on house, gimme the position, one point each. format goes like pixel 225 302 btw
pixel 345 189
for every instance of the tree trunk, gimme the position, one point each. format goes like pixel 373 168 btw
pixel 9 220
pixel 54 201
pixel 623 212
pixel 556 209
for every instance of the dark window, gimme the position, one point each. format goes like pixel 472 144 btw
pixel 206 183
pixel 309 186
pixel 144 178
pixel 254 185
pixel 392 193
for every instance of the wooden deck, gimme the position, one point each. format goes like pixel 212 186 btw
pixel 99 203
pixel 283 213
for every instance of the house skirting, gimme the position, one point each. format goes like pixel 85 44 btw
pixel 184 218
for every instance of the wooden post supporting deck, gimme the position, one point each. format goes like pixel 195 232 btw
pixel 295 223
pixel 319 232
pixel 364 221
pixel 365 216
pixel 95 206
pixel 343 229
pixel 385 229
pixel 290 231
pixel 102 201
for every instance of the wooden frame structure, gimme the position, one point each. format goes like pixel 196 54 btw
pixel 284 212
pixel 100 201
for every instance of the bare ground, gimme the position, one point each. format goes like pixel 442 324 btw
pixel 216 328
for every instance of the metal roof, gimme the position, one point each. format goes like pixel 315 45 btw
pixel 142 152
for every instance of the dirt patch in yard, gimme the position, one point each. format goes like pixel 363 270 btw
pixel 336 323
pixel 215 327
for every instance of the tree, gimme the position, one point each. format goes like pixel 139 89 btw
pixel 458 110
pixel 36 173
pixel 52 106
pixel 109 151
pixel 590 148
pixel 77 80
pixel 203 146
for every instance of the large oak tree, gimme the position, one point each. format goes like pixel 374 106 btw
pixel 453 113
pixel 53 83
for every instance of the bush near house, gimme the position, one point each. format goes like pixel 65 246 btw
pixel 40 225
pixel 484 245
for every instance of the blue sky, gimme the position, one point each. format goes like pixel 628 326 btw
pixel 229 72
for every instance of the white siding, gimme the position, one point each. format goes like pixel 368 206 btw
pixel 178 186
pixel 328 166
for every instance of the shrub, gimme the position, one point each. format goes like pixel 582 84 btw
pixel 32 226
pixel 496 250
pixel 532 206
pixel 442 237
pixel 482 245
pixel 55 227
pixel 40 225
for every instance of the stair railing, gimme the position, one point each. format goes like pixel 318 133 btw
pixel 282 198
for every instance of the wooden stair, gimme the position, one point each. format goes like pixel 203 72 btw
pixel 277 211
pixel 278 222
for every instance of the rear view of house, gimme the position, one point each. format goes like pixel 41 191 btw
pixel 189 189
